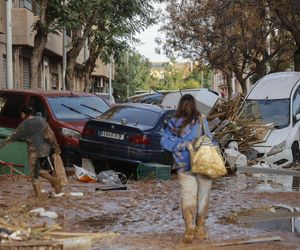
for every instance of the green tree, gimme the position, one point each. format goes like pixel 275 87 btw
pixel 175 76
pixel 107 25
pixel 132 73
pixel 50 20
pixel 231 36
pixel 287 16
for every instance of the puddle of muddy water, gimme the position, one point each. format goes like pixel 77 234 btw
pixel 274 182
pixel 276 219
pixel 97 223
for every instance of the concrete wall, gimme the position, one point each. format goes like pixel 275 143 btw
pixel 23 38
pixel 2 16
pixel 2 53
pixel 103 69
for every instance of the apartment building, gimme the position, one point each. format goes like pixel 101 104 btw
pixel 220 83
pixel 51 72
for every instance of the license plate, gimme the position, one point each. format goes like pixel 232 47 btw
pixel 112 135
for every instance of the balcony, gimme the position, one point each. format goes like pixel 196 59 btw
pixel 22 34
pixel 23 19
pixel 102 69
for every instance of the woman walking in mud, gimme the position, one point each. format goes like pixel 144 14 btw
pixel 181 130
pixel 40 140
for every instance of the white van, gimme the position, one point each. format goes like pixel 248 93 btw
pixel 276 99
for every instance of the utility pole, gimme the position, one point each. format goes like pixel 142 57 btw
pixel 127 75
pixel 110 76
pixel 64 66
pixel 9 61
pixel 268 39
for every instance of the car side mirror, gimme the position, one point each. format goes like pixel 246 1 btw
pixel 298 117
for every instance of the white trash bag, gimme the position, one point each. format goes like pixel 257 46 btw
pixel 84 175
pixel 109 177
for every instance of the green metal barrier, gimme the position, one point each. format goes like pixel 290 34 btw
pixel 14 154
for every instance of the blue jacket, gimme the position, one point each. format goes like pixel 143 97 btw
pixel 178 144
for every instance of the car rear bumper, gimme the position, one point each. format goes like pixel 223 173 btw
pixel 117 152
pixel 71 156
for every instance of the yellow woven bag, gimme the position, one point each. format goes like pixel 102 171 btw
pixel 206 158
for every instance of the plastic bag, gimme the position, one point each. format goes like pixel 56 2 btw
pixel 109 177
pixel 84 175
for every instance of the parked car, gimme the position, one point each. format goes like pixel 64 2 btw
pixel 65 111
pixel 275 99
pixel 149 98
pixel 127 133
pixel 107 97
pixel 205 99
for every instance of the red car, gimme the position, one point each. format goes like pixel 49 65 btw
pixel 65 111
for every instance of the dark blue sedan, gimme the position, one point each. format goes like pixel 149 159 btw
pixel 128 133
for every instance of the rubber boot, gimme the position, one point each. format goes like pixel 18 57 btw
pixel 200 228
pixel 37 189
pixel 54 181
pixel 189 233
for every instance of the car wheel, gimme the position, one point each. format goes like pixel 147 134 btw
pixel 296 152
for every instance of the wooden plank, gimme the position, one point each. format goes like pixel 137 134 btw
pixel 214 124
pixel 110 187
pixel 78 234
pixel 248 241
pixel 77 244
pixel 268 171
pixel 221 126
pixel 39 243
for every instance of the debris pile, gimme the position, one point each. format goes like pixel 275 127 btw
pixel 12 229
pixel 26 229
pixel 227 126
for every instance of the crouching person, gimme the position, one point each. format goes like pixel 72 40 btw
pixel 181 130
pixel 40 142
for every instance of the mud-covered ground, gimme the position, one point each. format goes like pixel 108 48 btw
pixel 147 215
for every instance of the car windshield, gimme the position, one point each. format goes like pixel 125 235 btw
pixel 77 107
pixel 267 111
pixel 131 115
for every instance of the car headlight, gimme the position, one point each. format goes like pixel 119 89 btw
pixel 277 148
pixel 70 132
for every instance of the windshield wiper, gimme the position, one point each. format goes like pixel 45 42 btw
pixel 92 108
pixel 77 111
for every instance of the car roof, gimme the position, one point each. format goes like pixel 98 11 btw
pixel 146 106
pixel 52 93
pixel 275 86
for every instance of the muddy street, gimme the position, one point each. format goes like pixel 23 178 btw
pixel 148 216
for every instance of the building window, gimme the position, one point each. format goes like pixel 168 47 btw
pixel 25 4
pixel 31 5
pixel 4 72
pixel 54 81
pixel 26 73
